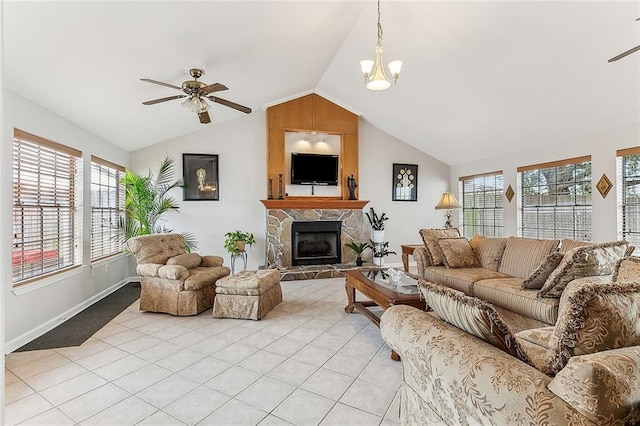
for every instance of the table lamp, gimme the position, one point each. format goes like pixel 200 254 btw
pixel 448 202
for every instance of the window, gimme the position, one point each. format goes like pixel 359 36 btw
pixel 107 207
pixel 482 204
pixel 555 199
pixel 47 219
pixel 629 194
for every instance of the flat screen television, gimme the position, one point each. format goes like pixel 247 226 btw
pixel 314 169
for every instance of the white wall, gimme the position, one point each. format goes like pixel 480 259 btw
pixel 602 148
pixel 377 153
pixel 30 314
pixel 241 146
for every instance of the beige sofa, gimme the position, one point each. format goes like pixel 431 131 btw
pixel 503 265
pixel 174 281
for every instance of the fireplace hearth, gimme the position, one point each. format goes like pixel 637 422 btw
pixel 316 242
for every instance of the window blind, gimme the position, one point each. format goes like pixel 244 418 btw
pixel 629 184
pixel 47 182
pixel 107 208
pixel 482 204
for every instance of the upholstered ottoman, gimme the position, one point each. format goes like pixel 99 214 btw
pixel 247 294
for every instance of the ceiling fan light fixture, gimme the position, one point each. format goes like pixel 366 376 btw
pixel 196 104
pixel 373 71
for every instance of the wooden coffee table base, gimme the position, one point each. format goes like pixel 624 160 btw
pixel 378 296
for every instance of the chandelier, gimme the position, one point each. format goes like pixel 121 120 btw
pixel 374 76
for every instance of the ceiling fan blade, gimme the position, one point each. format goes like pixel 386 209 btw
pixel 215 87
pixel 204 117
pixel 230 104
pixel 623 54
pixel 157 101
pixel 148 80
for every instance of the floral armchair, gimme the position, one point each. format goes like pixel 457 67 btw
pixel 174 281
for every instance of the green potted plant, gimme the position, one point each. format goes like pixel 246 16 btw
pixel 237 240
pixel 380 251
pixel 358 248
pixel 377 225
pixel 147 199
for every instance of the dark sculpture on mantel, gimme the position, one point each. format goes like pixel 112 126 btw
pixel 352 185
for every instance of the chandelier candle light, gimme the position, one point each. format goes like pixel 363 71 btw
pixel 448 202
pixel 374 76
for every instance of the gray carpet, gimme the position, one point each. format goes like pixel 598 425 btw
pixel 77 329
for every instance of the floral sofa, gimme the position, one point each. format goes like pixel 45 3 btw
pixel 464 363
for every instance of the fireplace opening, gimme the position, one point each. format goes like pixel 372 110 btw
pixel 316 242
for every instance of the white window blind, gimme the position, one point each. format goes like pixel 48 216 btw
pixel 629 194
pixel 107 208
pixel 47 220
pixel 482 204
pixel 555 199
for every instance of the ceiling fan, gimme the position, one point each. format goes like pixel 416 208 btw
pixel 626 53
pixel 196 91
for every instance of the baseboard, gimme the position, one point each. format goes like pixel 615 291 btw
pixel 54 322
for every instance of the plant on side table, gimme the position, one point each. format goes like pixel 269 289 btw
pixel 358 248
pixel 380 251
pixel 377 225
pixel 237 240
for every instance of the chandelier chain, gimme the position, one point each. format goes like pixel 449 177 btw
pixel 379 26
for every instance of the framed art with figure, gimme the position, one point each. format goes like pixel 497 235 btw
pixel 405 182
pixel 200 174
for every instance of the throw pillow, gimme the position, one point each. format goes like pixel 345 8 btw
pixel 593 260
pixel 430 238
pixel 567 244
pixel 522 256
pixel 602 386
pixel 627 269
pixel 488 250
pixel 457 253
pixel 537 279
pixel 597 317
pixel 472 315
pixel 188 260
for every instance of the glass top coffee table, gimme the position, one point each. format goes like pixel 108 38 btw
pixel 381 290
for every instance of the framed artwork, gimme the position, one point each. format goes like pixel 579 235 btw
pixel 405 182
pixel 200 174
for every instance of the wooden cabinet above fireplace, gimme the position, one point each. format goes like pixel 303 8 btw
pixel 311 113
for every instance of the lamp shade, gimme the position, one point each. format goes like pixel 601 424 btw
pixel 448 202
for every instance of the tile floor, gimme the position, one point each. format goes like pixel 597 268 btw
pixel 306 363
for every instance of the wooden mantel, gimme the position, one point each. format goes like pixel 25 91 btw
pixel 314 203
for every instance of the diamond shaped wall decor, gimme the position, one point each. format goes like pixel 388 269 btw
pixel 509 193
pixel 604 185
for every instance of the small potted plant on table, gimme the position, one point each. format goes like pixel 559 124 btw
pixel 380 251
pixel 358 248
pixel 236 241
pixel 377 225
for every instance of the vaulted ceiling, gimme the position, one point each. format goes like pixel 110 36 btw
pixel 478 78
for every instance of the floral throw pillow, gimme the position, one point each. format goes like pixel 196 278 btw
pixel 430 238
pixel 537 279
pixel 587 261
pixel 597 317
pixel 472 315
pixel 457 253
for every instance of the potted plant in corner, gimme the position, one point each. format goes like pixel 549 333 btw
pixel 237 240
pixel 358 248
pixel 377 225
pixel 380 251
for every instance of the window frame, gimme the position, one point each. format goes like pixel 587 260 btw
pixel 113 234
pixel 497 229
pixel 46 208
pixel 544 211
pixel 626 228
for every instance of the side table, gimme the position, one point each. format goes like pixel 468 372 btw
pixel 235 255
pixel 407 250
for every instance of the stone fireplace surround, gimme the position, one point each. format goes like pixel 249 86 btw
pixel 279 230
